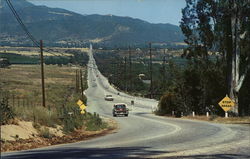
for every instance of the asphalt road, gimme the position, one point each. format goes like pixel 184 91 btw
pixel 145 135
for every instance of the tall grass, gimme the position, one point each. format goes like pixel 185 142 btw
pixel 61 97
pixel 41 115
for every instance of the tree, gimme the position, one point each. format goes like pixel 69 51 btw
pixel 220 26
pixel 239 34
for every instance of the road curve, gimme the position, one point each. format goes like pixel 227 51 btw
pixel 143 134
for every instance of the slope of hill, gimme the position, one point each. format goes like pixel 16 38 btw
pixel 59 26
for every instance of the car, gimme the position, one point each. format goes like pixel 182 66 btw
pixel 109 98
pixel 120 109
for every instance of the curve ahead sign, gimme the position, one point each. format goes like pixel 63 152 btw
pixel 226 103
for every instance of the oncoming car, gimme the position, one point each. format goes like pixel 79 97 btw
pixel 109 98
pixel 120 109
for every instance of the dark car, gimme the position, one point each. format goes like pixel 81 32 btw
pixel 120 109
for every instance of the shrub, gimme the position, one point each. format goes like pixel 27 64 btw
pixel 94 122
pixel 167 104
pixel 39 115
pixel 69 125
pixel 6 112
pixel 45 133
pixel 72 121
pixel 36 125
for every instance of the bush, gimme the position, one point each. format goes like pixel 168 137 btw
pixel 39 115
pixel 45 133
pixel 72 121
pixel 36 125
pixel 68 125
pixel 167 104
pixel 6 112
pixel 91 122
pixel 94 122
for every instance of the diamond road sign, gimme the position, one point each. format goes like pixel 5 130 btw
pixel 79 102
pixel 83 107
pixel 226 103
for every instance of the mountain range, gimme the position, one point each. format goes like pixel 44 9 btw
pixel 62 27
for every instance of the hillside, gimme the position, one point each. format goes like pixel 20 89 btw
pixel 60 27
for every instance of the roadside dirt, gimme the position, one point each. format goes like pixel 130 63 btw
pixel 229 120
pixel 31 139
pixel 20 130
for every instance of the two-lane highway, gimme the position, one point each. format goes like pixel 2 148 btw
pixel 143 134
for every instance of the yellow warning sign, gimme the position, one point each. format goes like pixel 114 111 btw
pixel 226 103
pixel 83 107
pixel 82 112
pixel 79 102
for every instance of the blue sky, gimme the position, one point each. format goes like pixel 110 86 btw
pixel 153 11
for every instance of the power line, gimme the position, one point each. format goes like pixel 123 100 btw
pixel 30 36
pixel 22 24
pixel 151 74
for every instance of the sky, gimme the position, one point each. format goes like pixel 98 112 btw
pixel 153 11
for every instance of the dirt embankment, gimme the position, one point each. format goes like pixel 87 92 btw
pixel 24 136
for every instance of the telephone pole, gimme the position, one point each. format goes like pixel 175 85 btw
pixel 77 81
pixel 116 71
pixel 164 71
pixel 81 80
pixel 125 73
pixel 151 75
pixel 42 74
pixel 130 69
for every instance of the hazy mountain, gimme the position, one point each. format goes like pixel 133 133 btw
pixel 55 25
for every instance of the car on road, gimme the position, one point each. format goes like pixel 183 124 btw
pixel 109 97
pixel 120 109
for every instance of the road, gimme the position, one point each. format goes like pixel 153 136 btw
pixel 145 135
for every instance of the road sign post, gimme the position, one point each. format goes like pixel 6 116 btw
pixel 226 114
pixel 226 104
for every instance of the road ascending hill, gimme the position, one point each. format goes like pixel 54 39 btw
pixel 142 134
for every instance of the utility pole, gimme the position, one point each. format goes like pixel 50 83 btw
pixel 81 83
pixel 130 69
pixel 151 75
pixel 125 73
pixel 116 71
pixel 77 81
pixel 120 70
pixel 113 73
pixel 42 73
pixel 164 71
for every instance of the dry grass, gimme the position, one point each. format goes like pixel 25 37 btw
pixel 31 53
pixel 24 82
pixel 233 120
pixel 217 119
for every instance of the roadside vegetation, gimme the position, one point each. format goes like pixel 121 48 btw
pixel 219 119
pixel 212 65
pixel 20 92
pixel 59 56
pixel 135 78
